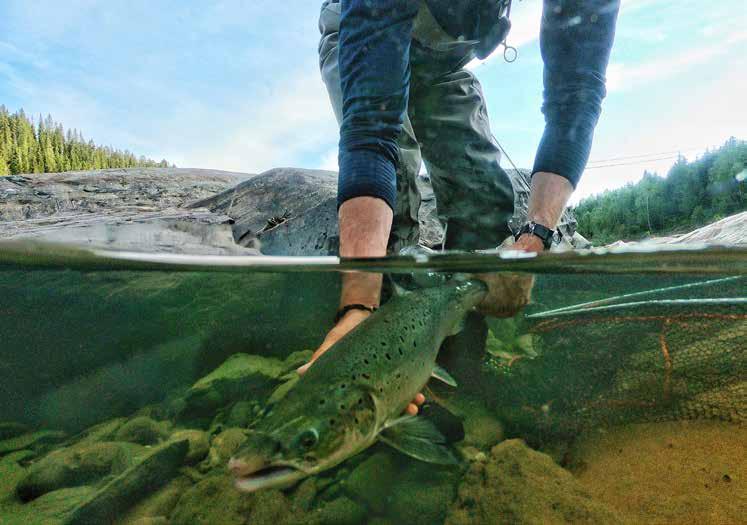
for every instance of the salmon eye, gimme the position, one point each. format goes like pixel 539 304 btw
pixel 308 439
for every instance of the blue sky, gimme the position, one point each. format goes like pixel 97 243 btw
pixel 235 84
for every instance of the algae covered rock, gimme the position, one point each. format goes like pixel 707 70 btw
pixel 53 508
pixel 157 506
pixel 36 441
pixel 126 489
pixel 143 431
pixel 518 485
pixel 199 445
pixel 403 489
pixel 240 377
pixel 212 500
pixel 224 445
pixel 11 429
pixel 75 466
pixel 11 473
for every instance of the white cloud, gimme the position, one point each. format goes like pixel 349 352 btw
pixel 329 161
pixel 621 76
pixel 293 119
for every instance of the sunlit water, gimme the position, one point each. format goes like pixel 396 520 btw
pixel 627 370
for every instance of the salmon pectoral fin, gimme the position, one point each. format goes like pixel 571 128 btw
pixel 419 438
pixel 442 375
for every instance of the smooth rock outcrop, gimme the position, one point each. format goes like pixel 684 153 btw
pixel 140 209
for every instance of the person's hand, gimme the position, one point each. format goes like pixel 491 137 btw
pixel 528 243
pixel 349 321
pixel 509 292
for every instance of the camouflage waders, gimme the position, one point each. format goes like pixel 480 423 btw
pixel 447 128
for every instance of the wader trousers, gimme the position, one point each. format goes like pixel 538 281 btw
pixel 447 128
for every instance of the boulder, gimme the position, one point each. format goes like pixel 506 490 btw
pixel 223 446
pixel 290 211
pixel 399 488
pixel 139 209
pixel 142 430
pixel 76 466
pixel 240 377
pixel 199 445
pixel 11 474
pixel 521 486
pixel 11 429
pixel 157 506
pixel 126 489
pixel 212 500
pixel 38 441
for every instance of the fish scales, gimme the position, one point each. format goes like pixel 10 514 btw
pixel 356 390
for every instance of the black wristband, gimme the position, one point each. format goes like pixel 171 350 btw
pixel 540 231
pixel 345 309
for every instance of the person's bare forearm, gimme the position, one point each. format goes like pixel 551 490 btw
pixel 365 223
pixel 547 200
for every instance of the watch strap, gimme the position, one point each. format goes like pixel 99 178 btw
pixel 541 231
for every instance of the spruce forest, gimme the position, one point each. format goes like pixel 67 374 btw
pixel 692 194
pixel 45 147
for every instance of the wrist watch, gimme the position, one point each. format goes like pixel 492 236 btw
pixel 544 233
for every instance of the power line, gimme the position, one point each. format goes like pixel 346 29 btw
pixel 627 157
pixel 644 161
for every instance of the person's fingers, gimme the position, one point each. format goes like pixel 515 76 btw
pixel 412 409
pixel 346 324
pixel 419 399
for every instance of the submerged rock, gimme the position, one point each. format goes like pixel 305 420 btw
pixel 53 508
pixel 223 447
pixel 143 430
pixel 35 441
pixel 11 429
pixel 11 473
pixel 119 494
pixel 157 506
pixel 396 487
pixel 199 445
pixel 240 377
pixel 211 501
pixel 521 486
pixel 75 466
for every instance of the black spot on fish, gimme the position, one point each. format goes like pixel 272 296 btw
pixel 360 400
pixel 331 422
pixel 402 338
pixel 366 376
pixel 322 401
pixel 388 356
pixel 343 386
pixel 415 344
pixel 383 343
pixel 400 351
pixel 342 407
pixel 366 361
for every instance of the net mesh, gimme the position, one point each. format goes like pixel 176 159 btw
pixel 633 358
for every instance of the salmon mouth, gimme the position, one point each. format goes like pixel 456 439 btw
pixel 267 477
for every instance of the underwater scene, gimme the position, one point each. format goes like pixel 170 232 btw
pixel 166 391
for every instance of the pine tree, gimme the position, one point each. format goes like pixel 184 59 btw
pixel 26 146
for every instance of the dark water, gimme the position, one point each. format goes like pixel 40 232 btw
pixel 101 357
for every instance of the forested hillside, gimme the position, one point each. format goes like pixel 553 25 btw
pixel 45 147
pixel 691 195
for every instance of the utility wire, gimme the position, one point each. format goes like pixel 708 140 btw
pixel 644 161
pixel 627 157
